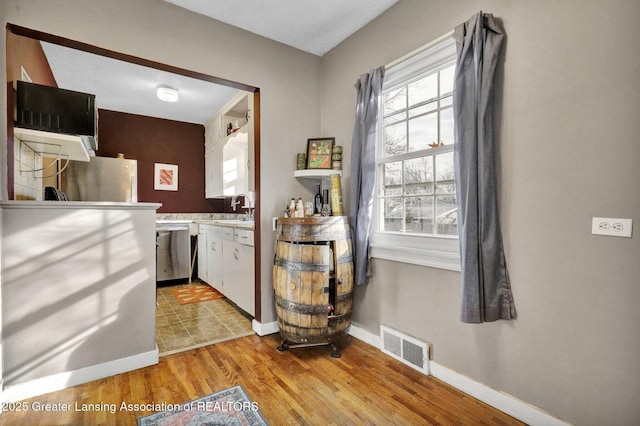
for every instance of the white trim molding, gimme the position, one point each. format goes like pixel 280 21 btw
pixel 424 257
pixel 499 400
pixel 69 379
pixel 262 329
pixel 504 402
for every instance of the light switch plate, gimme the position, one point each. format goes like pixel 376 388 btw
pixel 613 227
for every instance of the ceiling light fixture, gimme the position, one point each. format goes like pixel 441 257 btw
pixel 167 93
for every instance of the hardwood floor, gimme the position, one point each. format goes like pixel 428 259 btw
pixel 302 386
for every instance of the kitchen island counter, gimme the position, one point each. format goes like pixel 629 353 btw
pixel 100 205
pixel 78 292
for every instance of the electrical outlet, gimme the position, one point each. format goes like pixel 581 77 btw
pixel 611 227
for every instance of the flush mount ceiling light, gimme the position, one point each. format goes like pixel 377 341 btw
pixel 167 93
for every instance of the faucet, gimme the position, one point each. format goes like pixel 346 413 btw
pixel 235 202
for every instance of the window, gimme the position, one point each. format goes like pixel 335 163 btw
pixel 415 217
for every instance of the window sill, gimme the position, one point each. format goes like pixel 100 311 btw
pixel 424 257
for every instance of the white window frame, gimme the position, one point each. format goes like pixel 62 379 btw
pixel 440 251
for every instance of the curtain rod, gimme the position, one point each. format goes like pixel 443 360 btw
pixel 418 50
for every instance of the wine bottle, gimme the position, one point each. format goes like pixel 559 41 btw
pixel 326 210
pixel 317 208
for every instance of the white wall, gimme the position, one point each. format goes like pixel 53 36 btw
pixel 289 79
pixel 79 286
pixel 569 150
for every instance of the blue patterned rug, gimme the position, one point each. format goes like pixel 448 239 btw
pixel 228 407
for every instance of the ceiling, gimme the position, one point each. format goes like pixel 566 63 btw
pixel 126 87
pixel 315 26
pixel 310 25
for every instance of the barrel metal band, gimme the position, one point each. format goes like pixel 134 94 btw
pixel 301 308
pixel 332 321
pixel 296 237
pixel 343 297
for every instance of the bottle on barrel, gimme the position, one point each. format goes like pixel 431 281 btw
pixel 317 205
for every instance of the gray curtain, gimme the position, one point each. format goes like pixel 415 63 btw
pixel 363 168
pixel 486 289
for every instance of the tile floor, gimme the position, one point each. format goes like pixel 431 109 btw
pixel 183 327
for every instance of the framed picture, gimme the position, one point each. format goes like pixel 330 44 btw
pixel 165 177
pixel 319 153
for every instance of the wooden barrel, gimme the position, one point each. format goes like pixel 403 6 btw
pixel 313 278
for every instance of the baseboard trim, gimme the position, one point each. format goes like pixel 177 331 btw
pixel 262 329
pixel 499 400
pixel 68 379
pixel 366 336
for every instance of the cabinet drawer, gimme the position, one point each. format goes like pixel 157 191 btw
pixel 227 233
pixel 216 231
pixel 243 236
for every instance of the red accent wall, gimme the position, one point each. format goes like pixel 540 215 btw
pixel 153 140
pixel 27 52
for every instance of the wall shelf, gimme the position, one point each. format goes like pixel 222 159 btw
pixel 53 144
pixel 316 173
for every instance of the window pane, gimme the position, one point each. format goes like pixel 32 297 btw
pixel 395 118
pixel 415 183
pixel 446 80
pixel 445 175
pixel 419 215
pixel 395 139
pixel 392 179
pixel 431 106
pixel 423 131
pixel 446 126
pixel 446 215
pixel 392 208
pixel 424 89
pixel 418 176
pixel 395 100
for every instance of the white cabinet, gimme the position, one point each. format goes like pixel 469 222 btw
pixel 213 157
pixel 226 262
pixel 203 253
pixel 239 270
pixel 229 148
pixel 215 245
pixel 235 162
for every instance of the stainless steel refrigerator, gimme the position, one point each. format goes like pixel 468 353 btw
pixel 101 179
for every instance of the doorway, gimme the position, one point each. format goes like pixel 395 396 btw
pixel 207 313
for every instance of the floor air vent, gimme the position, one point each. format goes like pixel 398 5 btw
pixel 407 349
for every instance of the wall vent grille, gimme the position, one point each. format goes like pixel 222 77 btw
pixel 407 349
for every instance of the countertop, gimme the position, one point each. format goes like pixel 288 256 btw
pixel 233 223
pixel 77 205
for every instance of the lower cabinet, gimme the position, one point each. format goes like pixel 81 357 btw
pixel 238 274
pixel 215 238
pixel 203 253
pixel 227 257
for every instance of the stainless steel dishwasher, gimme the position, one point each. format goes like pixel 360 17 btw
pixel 174 251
